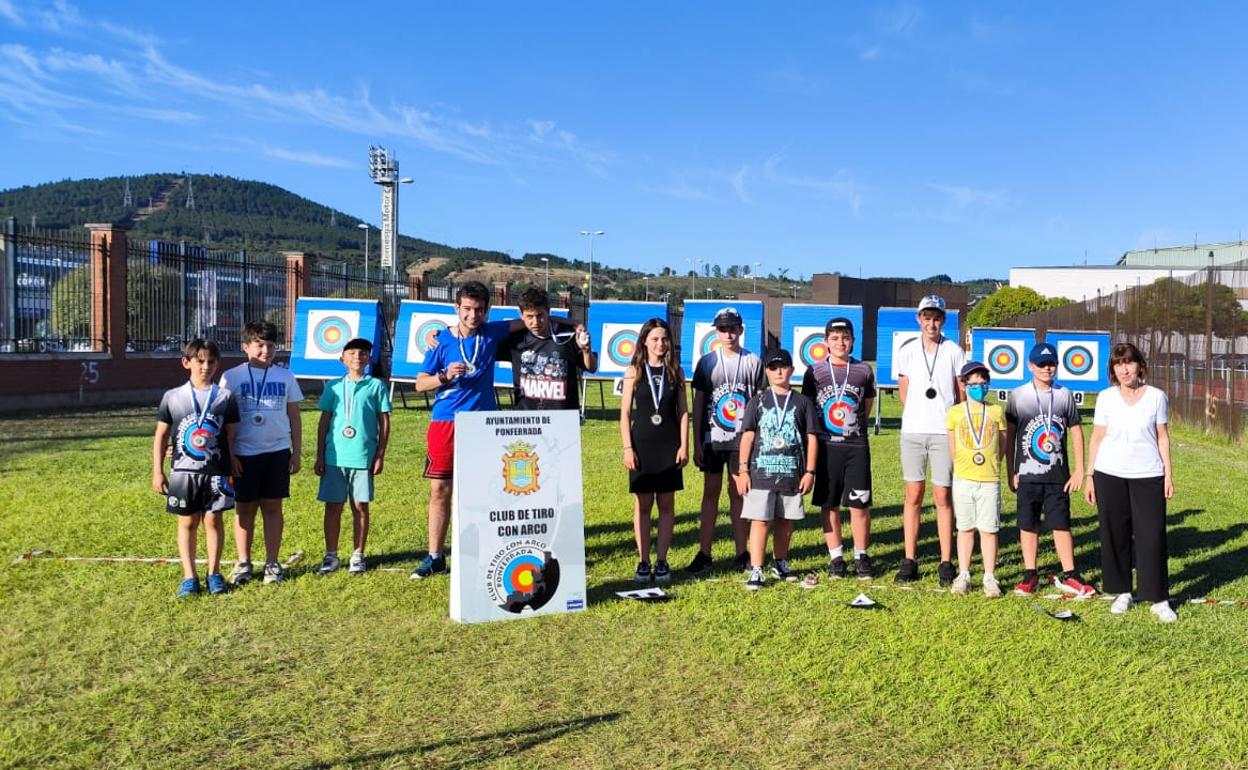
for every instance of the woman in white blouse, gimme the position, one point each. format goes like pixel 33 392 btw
pixel 1131 481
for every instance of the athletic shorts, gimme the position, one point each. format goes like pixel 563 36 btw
pixel 842 477
pixel 265 477
pixel 341 484
pixel 766 504
pixel 977 505
pixel 1042 497
pixel 714 460
pixel 191 493
pixel 440 443
pixel 920 449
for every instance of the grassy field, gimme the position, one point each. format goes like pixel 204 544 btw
pixel 101 667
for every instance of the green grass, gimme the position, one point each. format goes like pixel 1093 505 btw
pixel 101 667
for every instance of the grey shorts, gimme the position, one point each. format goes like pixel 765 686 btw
pixel 764 504
pixel 920 449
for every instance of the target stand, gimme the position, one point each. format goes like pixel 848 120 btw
pixel 324 326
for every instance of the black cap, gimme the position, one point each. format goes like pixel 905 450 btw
pixel 778 356
pixel 842 324
pixel 359 343
pixel 974 366
pixel 727 316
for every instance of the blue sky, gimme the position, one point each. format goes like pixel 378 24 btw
pixel 886 138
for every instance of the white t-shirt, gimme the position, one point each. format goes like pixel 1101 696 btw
pixel 263 425
pixel 1129 449
pixel 922 414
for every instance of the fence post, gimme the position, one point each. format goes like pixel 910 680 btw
pixel 1209 347
pixel 242 289
pixel 298 284
pixel 500 293
pixel 8 295
pixel 414 286
pixel 109 246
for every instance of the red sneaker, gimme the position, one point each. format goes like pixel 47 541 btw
pixel 1031 581
pixel 1073 585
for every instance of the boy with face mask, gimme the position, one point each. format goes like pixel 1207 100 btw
pixel 975 432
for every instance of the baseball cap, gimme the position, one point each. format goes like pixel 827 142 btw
pixel 778 356
pixel 840 324
pixel 727 316
pixel 932 302
pixel 1043 353
pixel 970 367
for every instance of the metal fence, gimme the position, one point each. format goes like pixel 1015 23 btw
pixel 176 291
pixel 47 283
pixel 1193 332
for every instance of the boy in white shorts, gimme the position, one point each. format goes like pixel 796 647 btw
pixel 975 443
pixel 779 446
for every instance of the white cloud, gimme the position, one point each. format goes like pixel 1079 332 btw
pixel 679 188
pixel 7 11
pixel 307 157
pixel 840 187
pixel 738 184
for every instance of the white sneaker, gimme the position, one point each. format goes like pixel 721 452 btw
pixel 357 565
pixel 273 573
pixel 756 580
pixel 1163 612
pixel 992 589
pixel 329 564
pixel 1121 604
pixel 961 584
pixel 241 573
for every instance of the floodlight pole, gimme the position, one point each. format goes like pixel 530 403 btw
pixel 589 297
pixel 364 226
pixel 383 168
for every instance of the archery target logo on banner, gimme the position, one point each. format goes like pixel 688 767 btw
pixel 525 576
pixel 728 409
pixel 619 343
pixel 423 337
pixel 329 331
pixel 705 341
pixel 1004 358
pixel 1077 360
pixel 839 413
pixel 810 347
pixel 1043 442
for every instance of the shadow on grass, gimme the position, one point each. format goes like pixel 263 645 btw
pixel 1204 576
pixel 480 749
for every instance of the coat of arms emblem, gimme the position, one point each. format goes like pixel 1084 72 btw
pixel 520 471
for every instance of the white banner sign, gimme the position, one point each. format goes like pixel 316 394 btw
pixel 518 517
pixel 389 226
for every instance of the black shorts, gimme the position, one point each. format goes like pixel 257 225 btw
pixel 191 493
pixel 842 477
pixel 1049 498
pixel 714 460
pixel 265 477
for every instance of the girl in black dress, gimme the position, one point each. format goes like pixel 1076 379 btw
pixel 654 427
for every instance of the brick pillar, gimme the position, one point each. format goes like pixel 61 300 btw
pixel 415 286
pixel 500 293
pixel 298 284
pixel 565 299
pixel 108 288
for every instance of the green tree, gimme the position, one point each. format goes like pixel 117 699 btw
pixel 152 310
pixel 1009 302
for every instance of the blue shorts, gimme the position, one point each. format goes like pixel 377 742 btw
pixel 340 484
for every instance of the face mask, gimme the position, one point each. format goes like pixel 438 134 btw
pixel 978 392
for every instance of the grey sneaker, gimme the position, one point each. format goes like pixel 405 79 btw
pixel 756 580
pixel 1121 604
pixel 241 573
pixel 643 573
pixel 1164 612
pixel 356 566
pixel 992 589
pixel 273 573
pixel 329 564
pixel 662 572
pixel 961 584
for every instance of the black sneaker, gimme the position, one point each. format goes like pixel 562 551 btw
pixel 756 580
pixel 837 568
pixel 909 571
pixel 946 573
pixel 780 571
pixel 643 573
pixel 700 564
pixel 742 562
pixel 662 572
pixel 429 566
pixel 862 567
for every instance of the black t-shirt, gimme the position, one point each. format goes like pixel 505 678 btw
pixel 840 394
pixel 544 369
pixel 777 458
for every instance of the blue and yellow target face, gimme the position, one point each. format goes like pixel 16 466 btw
pixel 1002 360
pixel 836 412
pixel 200 442
pixel 1077 360
pixel 813 349
pixel 329 331
pixel 1045 443
pixel 709 343
pixel 728 410
pixel 621 346
pixel 522 574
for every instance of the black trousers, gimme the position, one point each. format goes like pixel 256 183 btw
pixel 1132 514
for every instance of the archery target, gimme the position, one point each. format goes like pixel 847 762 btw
pixel 521 574
pixel 1004 358
pixel 199 442
pixel 619 343
pixel 223 485
pixel 728 410
pixel 705 341
pixel 329 331
pixel 423 335
pixel 810 348
pixel 899 339
pixel 1045 443
pixel 837 412
pixel 1077 360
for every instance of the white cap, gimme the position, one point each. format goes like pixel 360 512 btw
pixel 932 302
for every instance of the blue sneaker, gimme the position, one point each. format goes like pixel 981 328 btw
pixel 189 587
pixel 429 566
pixel 217 584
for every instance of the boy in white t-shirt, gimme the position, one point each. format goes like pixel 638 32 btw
pixel 928 369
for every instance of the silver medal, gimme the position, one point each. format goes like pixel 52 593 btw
pixel 656 419
pixel 777 443
pixel 348 432
pixel 257 418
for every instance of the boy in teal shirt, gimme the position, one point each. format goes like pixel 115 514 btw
pixel 351 442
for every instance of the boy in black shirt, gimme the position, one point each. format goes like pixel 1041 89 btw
pixel 546 365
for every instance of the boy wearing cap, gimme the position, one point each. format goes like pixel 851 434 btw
pixel 723 382
pixel 842 392
pixel 928 368
pixel 1039 415
pixel 975 430
pixel 776 466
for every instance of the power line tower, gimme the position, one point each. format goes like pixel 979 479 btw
pixel 127 200
pixel 190 192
